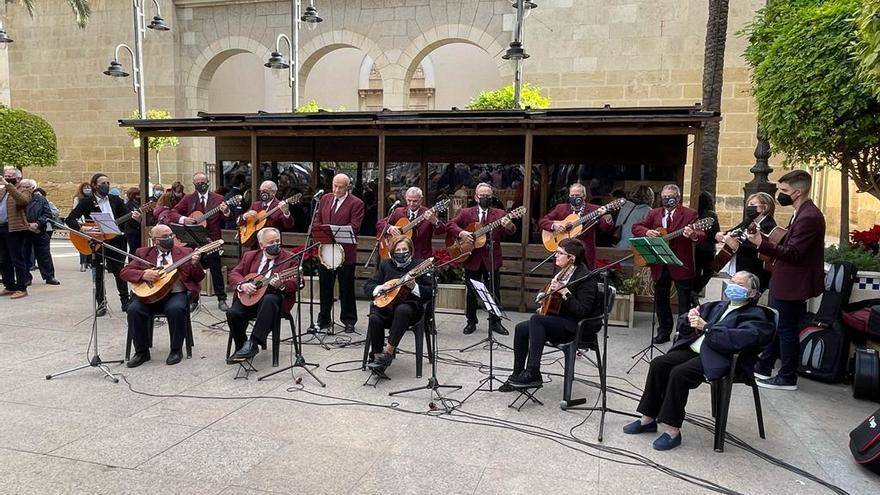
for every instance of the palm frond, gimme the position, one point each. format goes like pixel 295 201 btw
pixel 81 9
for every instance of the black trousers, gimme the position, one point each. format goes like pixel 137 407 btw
pixel 670 378
pixel 267 313
pixel 398 320
pixel 212 262
pixel 174 307
pixel 703 267
pixel 786 344
pixel 530 335
pixel 662 288
pixel 114 262
pixel 481 275
pixel 38 244
pixel 348 309
pixel 12 261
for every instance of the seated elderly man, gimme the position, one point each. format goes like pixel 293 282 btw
pixel 707 339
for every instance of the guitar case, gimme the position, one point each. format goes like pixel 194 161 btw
pixel 866 374
pixel 864 442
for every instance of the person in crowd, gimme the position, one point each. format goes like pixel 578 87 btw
pixel 82 191
pixel 577 203
pixel 423 233
pixel 708 338
pixel 704 251
pixel 579 300
pixel 132 227
pixel 672 215
pixel 402 313
pixel 39 212
pixel 166 202
pixel 637 207
pixel 14 199
pixel 798 275
pixel 760 209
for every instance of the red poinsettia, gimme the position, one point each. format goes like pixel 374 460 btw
pixel 868 240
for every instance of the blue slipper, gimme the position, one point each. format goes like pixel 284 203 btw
pixel 637 427
pixel 666 442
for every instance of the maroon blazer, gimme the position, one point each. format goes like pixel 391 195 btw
pixel 350 212
pixel 681 246
pixel 276 219
pixel 250 263
pixel 421 234
pixel 588 238
pixel 480 257
pixel 190 275
pixel 190 203
pixel 799 271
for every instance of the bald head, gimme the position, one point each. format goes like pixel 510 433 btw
pixel 341 183
pixel 160 231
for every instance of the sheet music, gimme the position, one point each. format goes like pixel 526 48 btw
pixel 488 301
pixel 343 234
pixel 106 223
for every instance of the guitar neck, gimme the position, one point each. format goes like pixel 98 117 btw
pixel 283 275
pixel 489 227
pixel 210 213
pixel 589 217
pixel 177 264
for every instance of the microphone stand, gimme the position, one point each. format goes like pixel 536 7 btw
pixel 94 361
pixel 382 235
pixel 312 327
pixel 550 257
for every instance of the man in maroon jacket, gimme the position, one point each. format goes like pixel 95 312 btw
pixel 671 216
pixel 422 233
pixel 339 208
pixel 281 219
pixel 279 298
pixel 798 274
pixel 477 265
pixel 202 200
pixel 174 306
pixel 577 203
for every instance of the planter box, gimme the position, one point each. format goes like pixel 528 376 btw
pixel 306 295
pixel 621 314
pixel 451 298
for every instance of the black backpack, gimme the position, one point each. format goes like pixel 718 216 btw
pixel 864 442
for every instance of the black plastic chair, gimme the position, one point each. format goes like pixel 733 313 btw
pixel 587 338
pixel 188 341
pixel 276 338
pixel 418 331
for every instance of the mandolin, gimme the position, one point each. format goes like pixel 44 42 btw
pixel 398 290
pixel 406 226
pixel 84 245
pixel 701 224
pixel 202 218
pixel 458 247
pixel 574 225
pixel 262 281
pixel 151 292
pixel 249 227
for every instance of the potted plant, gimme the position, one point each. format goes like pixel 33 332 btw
pixel 862 252
pixel 451 291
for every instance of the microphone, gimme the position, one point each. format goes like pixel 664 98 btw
pixel 317 194
pixel 395 205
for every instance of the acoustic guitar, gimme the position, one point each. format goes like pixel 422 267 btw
pixel 262 282
pixel 248 228
pixel 574 225
pixel 701 224
pixel 202 218
pixel 151 292
pixel 775 236
pixel 406 226
pixel 458 247
pixel 398 290
pixel 84 245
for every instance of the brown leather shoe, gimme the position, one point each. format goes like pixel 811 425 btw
pixel 7 292
pixel 18 294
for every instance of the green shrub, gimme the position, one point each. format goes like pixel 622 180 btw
pixel 26 140
pixel 502 99
pixel 862 259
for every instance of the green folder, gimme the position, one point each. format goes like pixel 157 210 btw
pixel 655 250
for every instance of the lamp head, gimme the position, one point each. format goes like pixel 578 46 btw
pixel 515 53
pixel 115 69
pixel 311 18
pixel 159 24
pixel 277 61
pixel 4 38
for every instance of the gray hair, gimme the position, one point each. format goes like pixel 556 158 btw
pixel 262 233
pixel 672 187
pixel 414 190
pixel 274 185
pixel 29 183
pixel 754 281
pixel 15 170
pixel 578 184
pixel 484 184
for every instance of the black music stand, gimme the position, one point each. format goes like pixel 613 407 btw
pixel 191 235
pixel 485 297
pixel 655 251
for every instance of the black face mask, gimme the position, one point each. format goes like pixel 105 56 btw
pixel 166 243
pixel 273 249
pixel 784 199
pixel 264 196
pixel 12 180
pixel 104 189
pixel 401 259
pixel 752 212
pixel 485 201
pixel 575 201
pixel 669 202
pixel 202 187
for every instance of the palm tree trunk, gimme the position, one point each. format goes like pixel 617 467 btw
pixel 843 235
pixel 713 78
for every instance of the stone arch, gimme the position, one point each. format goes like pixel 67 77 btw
pixel 321 45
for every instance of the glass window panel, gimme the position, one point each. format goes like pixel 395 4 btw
pixel 292 177
pixel 399 177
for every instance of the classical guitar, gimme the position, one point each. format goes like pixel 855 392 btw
pixel 726 253
pixel 398 289
pixel 406 226
pixel 775 236
pixel 456 246
pixel 151 292
pixel 84 246
pixel 701 224
pixel 249 227
pixel 574 225
pixel 202 218
pixel 551 304
pixel 262 282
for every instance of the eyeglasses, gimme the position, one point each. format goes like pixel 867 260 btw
pixel 561 253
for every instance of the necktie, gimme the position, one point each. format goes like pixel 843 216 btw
pixel 335 204
pixel 266 265
pixel 164 259
pixel 483 217
pixel 412 215
pixel 204 203
pixel 667 220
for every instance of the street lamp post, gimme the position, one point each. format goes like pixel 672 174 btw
pixel 277 60
pixel 115 69
pixel 516 53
